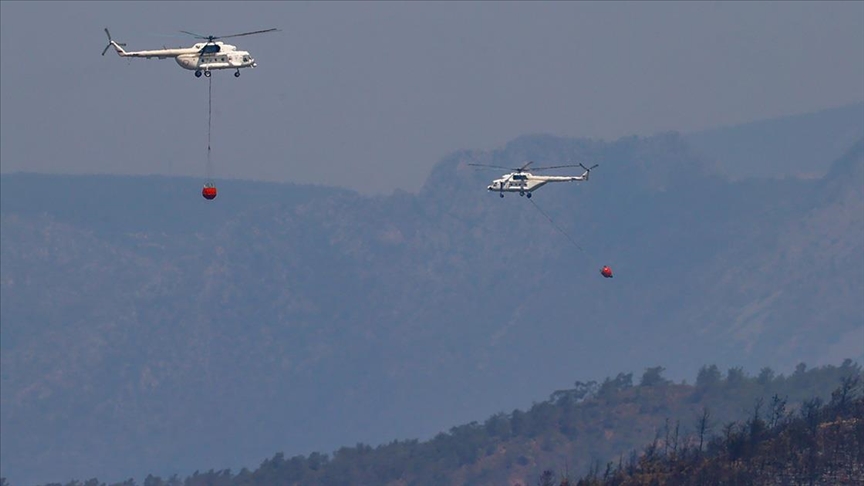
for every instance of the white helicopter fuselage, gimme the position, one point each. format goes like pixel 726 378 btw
pixel 200 57
pixel 525 182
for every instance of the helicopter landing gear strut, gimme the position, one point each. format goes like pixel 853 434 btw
pixel 237 74
pixel 198 73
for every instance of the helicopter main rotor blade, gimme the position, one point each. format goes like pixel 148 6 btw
pixel 520 169
pixel 514 169
pixel 193 34
pixel 555 167
pixel 492 166
pixel 245 33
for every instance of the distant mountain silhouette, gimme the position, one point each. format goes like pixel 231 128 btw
pixel 794 146
pixel 146 330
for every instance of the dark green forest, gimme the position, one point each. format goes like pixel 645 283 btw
pixel 728 426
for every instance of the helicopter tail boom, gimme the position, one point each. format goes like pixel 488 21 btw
pixel 583 177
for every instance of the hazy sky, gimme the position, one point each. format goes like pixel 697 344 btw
pixel 370 95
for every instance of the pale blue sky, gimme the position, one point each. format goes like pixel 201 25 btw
pixel 370 95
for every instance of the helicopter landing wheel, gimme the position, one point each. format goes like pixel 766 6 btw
pixel 198 73
pixel 501 194
pixel 237 74
pixel 528 195
pixel 521 193
pixel 207 73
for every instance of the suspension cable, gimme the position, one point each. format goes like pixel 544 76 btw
pixel 560 230
pixel 209 168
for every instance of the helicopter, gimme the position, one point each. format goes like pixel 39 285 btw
pixel 524 182
pixel 203 57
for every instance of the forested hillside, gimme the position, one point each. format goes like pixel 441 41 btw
pixel 822 443
pixel 726 426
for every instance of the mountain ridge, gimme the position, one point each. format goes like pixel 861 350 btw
pixel 300 318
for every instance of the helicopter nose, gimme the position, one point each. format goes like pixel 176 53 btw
pixel 254 64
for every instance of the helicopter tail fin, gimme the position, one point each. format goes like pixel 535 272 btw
pixel 117 45
pixel 587 172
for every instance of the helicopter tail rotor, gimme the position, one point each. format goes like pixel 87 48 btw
pixel 117 45
pixel 587 171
